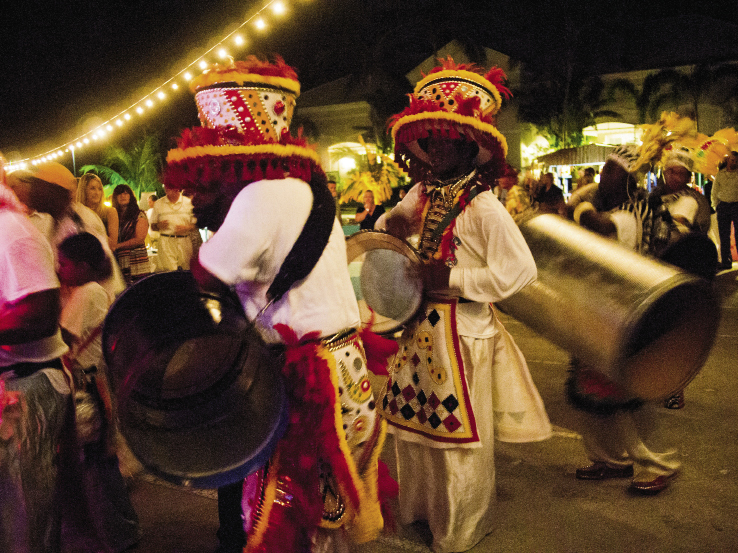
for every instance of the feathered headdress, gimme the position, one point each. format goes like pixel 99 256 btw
pixel 674 140
pixel 453 101
pixel 245 108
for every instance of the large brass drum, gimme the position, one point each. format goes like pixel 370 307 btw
pixel 645 324
pixel 201 401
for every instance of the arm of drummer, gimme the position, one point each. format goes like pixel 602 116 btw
pixel 494 261
pixel 402 220
pixel 205 279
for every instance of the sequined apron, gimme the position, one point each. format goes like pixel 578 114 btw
pixel 427 392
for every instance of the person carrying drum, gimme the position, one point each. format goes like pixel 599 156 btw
pixel 458 375
pixel 610 426
pixel 278 243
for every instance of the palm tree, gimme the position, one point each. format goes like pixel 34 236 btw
pixel 562 107
pixel 659 91
pixel 138 167
pixel 669 88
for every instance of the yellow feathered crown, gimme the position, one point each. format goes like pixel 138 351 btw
pixel 675 138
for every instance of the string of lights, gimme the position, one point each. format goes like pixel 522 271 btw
pixel 258 21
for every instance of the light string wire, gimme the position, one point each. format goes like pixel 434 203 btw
pixel 278 7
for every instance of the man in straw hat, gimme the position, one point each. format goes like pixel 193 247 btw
pixel 35 404
pixel 459 374
pixel 278 243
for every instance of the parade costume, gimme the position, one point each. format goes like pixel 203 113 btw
pixel 282 249
pixel 458 380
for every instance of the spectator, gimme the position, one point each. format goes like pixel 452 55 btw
pixel 82 264
pixel 172 219
pixel 334 193
pixel 367 214
pixel 37 416
pixel 130 252
pixel 725 202
pixel 588 177
pixel 90 193
pixel 505 183
pixel 48 191
pixel 550 198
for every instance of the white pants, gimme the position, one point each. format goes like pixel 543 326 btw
pixel 174 253
pixel 618 441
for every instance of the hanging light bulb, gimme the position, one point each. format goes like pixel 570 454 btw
pixel 278 8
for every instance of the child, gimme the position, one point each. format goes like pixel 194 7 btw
pixel 82 263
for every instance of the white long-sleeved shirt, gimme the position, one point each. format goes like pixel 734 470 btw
pixel 247 251
pixel 724 188
pixel 493 259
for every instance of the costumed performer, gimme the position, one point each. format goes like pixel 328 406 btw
pixel 458 380
pixel 610 418
pixel 278 243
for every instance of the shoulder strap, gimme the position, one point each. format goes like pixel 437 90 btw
pixel 454 212
pixel 311 242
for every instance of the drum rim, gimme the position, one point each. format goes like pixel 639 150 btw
pixel 367 240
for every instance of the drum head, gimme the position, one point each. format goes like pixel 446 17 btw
pixel 386 279
pixel 200 401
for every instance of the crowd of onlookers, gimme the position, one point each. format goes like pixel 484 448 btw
pixel 65 255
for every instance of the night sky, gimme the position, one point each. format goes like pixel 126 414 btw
pixel 67 64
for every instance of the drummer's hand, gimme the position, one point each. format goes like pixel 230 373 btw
pixel 436 276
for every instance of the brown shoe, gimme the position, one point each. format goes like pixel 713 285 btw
pixel 652 487
pixel 600 470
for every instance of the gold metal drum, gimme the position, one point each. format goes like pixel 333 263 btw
pixel 645 324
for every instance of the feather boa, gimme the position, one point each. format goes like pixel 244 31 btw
pixel 312 434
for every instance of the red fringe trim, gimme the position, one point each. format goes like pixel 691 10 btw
pixel 231 173
pixel 387 489
pixel 420 171
pixel 312 406
pixel 252 64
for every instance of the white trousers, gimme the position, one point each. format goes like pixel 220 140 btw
pixel 174 253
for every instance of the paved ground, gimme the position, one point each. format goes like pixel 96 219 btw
pixel 542 507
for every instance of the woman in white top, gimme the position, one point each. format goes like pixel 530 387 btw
pixel 90 193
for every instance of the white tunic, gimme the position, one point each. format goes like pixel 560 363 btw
pixel 453 488
pixel 261 227
pixel 27 262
